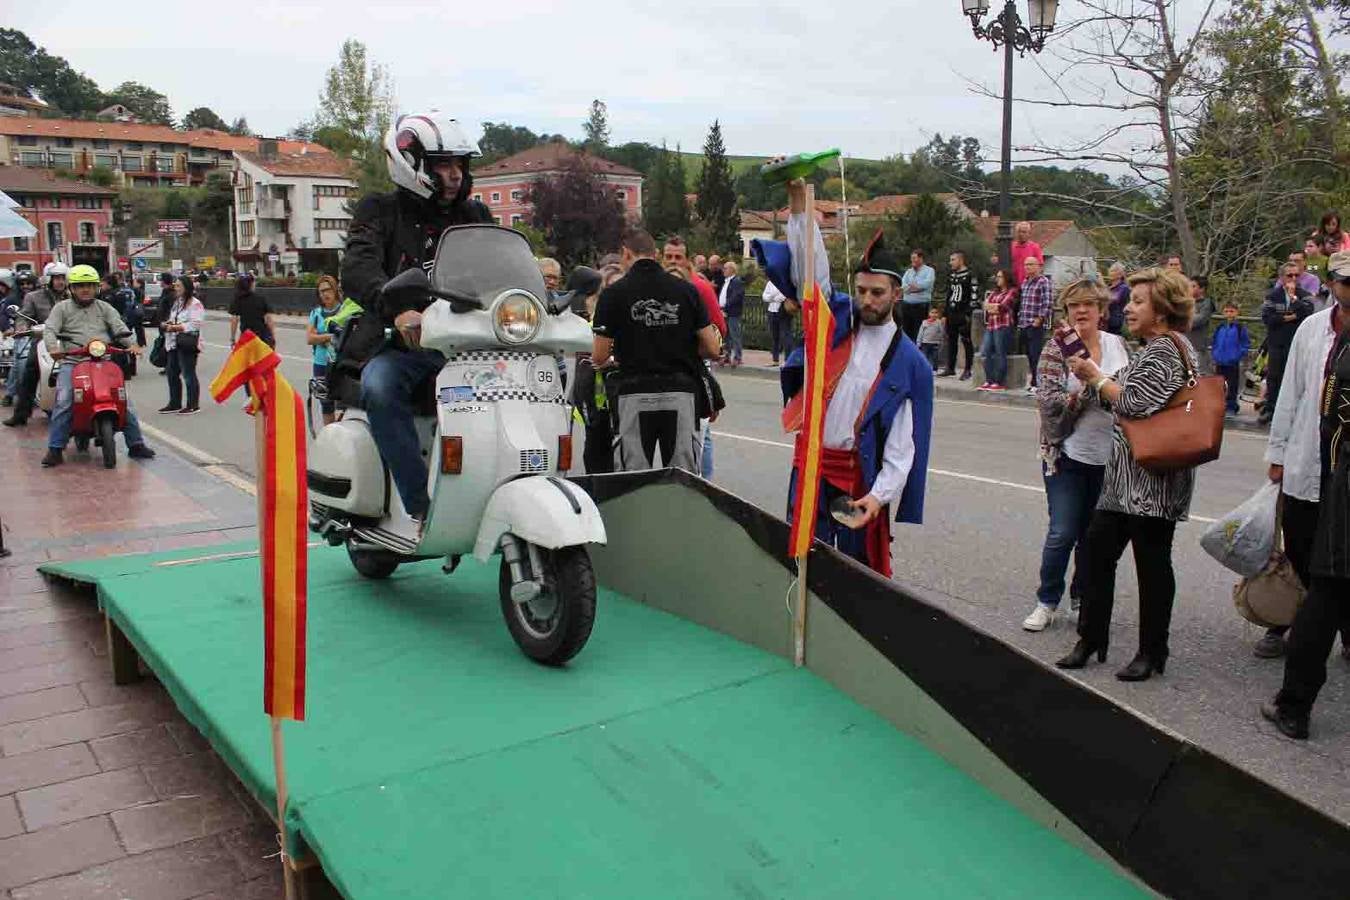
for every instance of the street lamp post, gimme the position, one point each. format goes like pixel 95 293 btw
pixel 1008 31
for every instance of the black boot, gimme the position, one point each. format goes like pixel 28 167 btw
pixel 14 420
pixel 1142 667
pixel 1078 656
pixel 1290 725
pixel 53 458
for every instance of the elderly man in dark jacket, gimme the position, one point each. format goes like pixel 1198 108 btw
pixel 1286 306
pixel 428 158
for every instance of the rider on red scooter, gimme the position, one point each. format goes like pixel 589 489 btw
pixel 77 322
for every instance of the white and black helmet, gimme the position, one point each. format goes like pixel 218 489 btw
pixel 418 138
pixel 54 268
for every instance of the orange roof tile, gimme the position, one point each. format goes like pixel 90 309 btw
pixel 142 132
pixel 550 157
pixel 301 165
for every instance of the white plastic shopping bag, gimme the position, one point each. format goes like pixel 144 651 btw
pixel 1244 539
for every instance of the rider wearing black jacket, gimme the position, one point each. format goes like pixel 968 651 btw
pixel 428 157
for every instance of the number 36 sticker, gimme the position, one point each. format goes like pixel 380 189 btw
pixel 543 378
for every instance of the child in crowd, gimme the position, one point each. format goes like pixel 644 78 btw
pixel 931 336
pixel 1230 344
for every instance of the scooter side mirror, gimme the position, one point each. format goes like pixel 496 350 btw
pixel 411 287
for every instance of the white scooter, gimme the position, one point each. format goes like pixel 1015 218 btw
pixel 496 433
pixel 32 334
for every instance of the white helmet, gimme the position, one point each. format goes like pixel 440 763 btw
pixel 54 268
pixel 414 140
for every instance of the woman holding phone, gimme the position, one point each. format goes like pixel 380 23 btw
pixel 1075 440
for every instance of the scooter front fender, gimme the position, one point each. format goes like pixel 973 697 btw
pixel 544 510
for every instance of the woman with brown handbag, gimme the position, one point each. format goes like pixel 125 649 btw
pixel 1138 506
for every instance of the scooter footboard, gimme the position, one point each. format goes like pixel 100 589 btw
pixel 547 511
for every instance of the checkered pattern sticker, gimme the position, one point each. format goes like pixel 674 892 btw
pixel 492 375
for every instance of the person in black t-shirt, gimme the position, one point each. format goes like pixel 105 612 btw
pixel 249 312
pixel 654 328
pixel 961 295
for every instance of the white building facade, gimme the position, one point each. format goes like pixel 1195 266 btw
pixel 290 210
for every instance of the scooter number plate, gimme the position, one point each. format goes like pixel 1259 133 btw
pixel 470 378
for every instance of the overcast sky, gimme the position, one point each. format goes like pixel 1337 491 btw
pixel 874 78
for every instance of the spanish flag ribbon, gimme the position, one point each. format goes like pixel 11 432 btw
pixel 283 509
pixel 818 326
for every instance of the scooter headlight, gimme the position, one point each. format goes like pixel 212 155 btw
pixel 97 349
pixel 516 317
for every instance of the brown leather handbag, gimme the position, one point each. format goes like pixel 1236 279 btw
pixel 1188 431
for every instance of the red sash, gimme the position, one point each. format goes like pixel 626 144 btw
pixel 841 469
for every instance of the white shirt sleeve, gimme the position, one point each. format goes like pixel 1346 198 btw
pixel 897 458
pixel 796 235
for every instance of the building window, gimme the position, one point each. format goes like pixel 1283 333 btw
pixel 65 142
pixel 89 202
pixel 163 163
pixel 246 200
pixel 497 219
pixel 517 196
pixel 622 195
pixel 21 245
pixel 330 225
pixel 516 219
pixel 247 231
pixel 107 160
pixel 87 232
pixel 100 145
pixel 497 197
pixel 62 160
pixel 478 197
pixel 131 163
pixel 32 158
pixel 54 202
pixel 55 236
pixel 135 145
pixel 27 140
pixel 167 148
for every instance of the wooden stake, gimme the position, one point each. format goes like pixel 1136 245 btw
pixel 808 281
pixel 279 764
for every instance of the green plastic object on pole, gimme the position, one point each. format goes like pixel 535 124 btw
pixel 798 166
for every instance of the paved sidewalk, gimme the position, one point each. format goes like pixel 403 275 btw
pixel 107 791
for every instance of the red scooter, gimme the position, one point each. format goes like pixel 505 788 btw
pixel 100 408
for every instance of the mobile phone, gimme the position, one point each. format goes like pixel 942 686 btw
pixel 1070 342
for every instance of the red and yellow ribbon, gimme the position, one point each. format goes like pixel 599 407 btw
pixel 818 326
pixel 283 510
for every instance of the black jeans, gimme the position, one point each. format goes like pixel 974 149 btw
pixel 1276 357
pixel 911 317
pixel 1034 339
pixel 1152 540
pixel 961 330
pixel 780 334
pixel 1232 375
pixel 1324 610
pixel 182 367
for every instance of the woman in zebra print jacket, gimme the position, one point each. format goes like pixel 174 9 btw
pixel 1137 506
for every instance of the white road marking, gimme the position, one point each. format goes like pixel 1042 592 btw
pixel 963 476
pixel 201 456
pixel 242 554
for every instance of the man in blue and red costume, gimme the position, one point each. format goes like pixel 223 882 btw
pixel 878 392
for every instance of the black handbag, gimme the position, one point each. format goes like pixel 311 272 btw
pixel 188 342
pixel 159 357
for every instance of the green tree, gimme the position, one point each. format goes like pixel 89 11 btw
pixel 102 176
pixel 340 142
pixel 148 104
pixel 501 140
pixel 240 127
pixel 356 95
pixel 664 210
pixel 204 117
pixel 596 128
pixel 212 209
pixel 49 78
pixel 716 206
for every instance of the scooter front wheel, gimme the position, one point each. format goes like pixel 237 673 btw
pixel 373 563
pixel 552 627
pixel 106 431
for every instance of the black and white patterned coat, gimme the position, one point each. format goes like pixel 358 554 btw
pixel 1151 379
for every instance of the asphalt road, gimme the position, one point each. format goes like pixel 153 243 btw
pixel 978 555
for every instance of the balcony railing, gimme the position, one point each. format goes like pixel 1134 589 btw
pixel 273 209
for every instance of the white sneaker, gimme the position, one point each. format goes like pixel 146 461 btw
pixel 1040 617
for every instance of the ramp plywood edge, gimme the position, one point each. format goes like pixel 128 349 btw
pixel 1184 821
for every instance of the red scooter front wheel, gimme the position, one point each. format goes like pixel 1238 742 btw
pixel 107 430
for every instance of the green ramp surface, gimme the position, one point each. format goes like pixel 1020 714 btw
pixel 666 761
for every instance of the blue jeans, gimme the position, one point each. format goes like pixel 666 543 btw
pixel 63 413
pixel 734 342
pixel 182 368
pixel 387 385
pixel 994 349
pixel 930 353
pixel 1071 494
pixel 707 451
pixel 1035 340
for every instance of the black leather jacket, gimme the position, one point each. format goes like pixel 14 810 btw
pixel 390 233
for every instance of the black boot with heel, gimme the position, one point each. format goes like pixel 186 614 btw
pixel 1142 667
pixel 1078 656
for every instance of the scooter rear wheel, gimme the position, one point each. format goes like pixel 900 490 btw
pixel 373 563
pixel 106 431
pixel 554 627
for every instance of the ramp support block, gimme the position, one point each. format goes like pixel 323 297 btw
pixel 125 661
